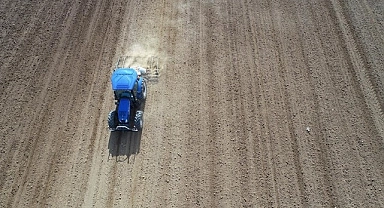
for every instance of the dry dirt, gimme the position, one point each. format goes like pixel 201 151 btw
pixel 259 104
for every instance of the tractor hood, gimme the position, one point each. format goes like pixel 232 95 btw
pixel 123 79
pixel 123 110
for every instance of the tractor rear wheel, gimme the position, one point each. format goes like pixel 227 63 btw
pixel 112 120
pixel 139 120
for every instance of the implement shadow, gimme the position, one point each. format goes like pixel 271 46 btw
pixel 124 144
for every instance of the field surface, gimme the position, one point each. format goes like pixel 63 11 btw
pixel 265 103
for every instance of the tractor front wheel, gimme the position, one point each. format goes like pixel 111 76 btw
pixel 144 90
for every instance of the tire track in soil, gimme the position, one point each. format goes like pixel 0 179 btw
pixel 336 125
pixel 32 142
pixel 274 117
pixel 17 90
pixel 269 172
pixel 214 156
pixel 195 142
pixel 283 44
pixel 372 110
pixel 326 52
pixel 242 76
pixel 322 159
pixel 359 69
pixel 52 78
pixel 9 42
pixel 88 134
pixel 79 155
pixel 254 87
pixel 363 20
pixel 312 48
pixel 241 71
pixel 264 193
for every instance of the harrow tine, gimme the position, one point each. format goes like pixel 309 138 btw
pixel 117 63
pixel 124 61
pixel 151 62
pixel 121 62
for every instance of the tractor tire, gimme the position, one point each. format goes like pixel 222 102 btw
pixel 112 120
pixel 144 90
pixel 139 120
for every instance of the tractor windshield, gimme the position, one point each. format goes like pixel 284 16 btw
pixel 123 94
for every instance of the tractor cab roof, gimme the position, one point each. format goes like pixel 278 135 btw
pixel 123 79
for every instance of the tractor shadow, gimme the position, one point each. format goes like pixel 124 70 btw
pixel 124 145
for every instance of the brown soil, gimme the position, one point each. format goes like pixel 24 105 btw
pixel 259 104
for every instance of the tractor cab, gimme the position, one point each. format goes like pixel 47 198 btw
pixel 124 79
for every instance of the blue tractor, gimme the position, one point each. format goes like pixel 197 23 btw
pixel 130 91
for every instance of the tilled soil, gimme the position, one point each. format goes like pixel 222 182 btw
pixel 258 104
